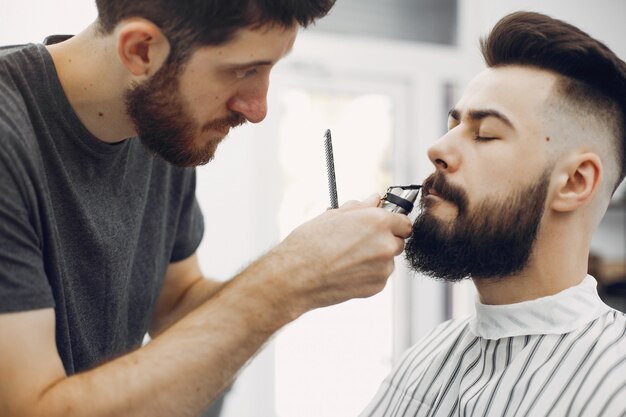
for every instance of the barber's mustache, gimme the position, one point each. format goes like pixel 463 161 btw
pixel 438 184
pixel 232 120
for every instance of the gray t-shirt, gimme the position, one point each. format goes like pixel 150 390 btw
pixel 86 227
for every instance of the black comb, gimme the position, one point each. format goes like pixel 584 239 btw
pixel 330 169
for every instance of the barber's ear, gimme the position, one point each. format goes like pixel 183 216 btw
pixel 141 46
pixel 577 181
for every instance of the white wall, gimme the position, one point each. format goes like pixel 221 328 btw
pixel 602 19
pixel 26 21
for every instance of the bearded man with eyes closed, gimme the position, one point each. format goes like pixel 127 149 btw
pixel 525 173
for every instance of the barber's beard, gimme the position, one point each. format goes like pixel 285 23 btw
pixel 492 241
pixel 164 122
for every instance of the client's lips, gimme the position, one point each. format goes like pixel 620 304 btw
pixel 433 192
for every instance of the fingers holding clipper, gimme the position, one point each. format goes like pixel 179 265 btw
pixel 399 244
pixel 401 225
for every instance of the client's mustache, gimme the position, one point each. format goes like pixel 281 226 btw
pixel 438 183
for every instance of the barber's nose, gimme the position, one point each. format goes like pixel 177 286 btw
pixel 444 155
pixel 252 104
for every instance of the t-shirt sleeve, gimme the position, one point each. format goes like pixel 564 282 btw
pixel 23 281
pixel 190 223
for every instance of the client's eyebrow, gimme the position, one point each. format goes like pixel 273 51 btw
pixel 478 115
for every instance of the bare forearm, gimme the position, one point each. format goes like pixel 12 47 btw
pixel 200 292
pixel 181 371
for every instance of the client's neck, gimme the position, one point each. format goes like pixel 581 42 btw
pixel 553 267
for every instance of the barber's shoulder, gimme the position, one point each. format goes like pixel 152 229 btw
pixel 12 55
pixel 18 144
pixel 9 49
pixel 15 125
pixel 16 131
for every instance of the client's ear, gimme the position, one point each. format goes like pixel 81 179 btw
pixel 578 178
pixel 141 46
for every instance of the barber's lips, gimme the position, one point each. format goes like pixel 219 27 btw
pixel 222 130
pixel 216 129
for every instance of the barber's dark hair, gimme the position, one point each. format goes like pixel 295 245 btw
pixel 189 24
pixel 591 72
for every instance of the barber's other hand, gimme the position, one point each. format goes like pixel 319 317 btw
pixel 342 254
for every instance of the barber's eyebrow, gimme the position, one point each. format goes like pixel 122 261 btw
pixel 245 65
pixel 258 63
pixel 478 115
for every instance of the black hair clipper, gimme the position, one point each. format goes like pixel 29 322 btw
pixel 400 198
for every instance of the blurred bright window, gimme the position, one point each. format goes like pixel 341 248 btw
pixel 331 361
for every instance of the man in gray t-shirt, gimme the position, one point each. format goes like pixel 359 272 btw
pixel 99 225
pixel 84 222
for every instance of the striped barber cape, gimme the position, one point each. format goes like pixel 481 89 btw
pixel 562 355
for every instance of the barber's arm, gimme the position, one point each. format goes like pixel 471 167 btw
pixel 184 289
pixel 341 254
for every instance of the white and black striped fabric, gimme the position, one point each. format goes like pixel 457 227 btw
pixel 562 355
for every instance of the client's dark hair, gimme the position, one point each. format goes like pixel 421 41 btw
pixel 189 24
pixel 591 73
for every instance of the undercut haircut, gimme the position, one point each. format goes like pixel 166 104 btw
pixel 189 24
pixel 591 74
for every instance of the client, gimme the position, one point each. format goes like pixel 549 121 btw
pixel 525 173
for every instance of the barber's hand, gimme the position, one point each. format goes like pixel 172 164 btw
pixel 342 254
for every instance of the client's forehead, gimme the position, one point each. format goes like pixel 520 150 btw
pixel 516 91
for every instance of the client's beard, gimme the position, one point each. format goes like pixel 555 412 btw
pixel 492 241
